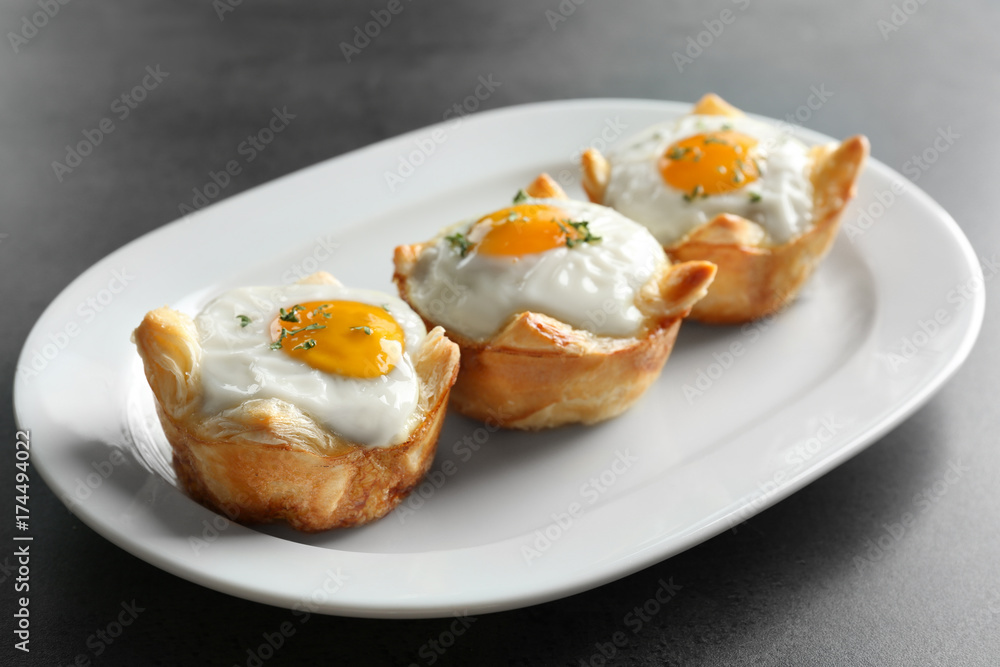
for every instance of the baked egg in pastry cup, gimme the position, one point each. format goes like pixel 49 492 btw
pixel 564 311
pixel 312 403
pixel 717 186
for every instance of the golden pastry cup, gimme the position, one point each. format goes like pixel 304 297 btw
pixel 266 460
pixel 756 278
pixel 539 372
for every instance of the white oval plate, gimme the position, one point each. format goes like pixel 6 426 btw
pixel 741 417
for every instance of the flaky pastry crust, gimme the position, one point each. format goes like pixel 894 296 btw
pixel 756 279
pixel 538 372
pixel 266 460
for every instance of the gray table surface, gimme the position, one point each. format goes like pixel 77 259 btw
pixel 784 590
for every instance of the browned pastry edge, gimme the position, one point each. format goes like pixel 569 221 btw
pixel 266 461
pixel 755 279
pixel 538 372
pixel 559 382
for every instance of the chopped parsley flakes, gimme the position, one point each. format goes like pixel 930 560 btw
pixel 308 345
pixel 460 242
pixel 695 193
pixel 583 233
pixel 289 315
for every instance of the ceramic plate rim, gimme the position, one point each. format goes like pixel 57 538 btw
pixel 371 600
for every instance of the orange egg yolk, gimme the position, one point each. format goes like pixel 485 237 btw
pixel 341 337
pixel 522 230
pixel 710 163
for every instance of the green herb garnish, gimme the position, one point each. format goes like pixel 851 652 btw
pixel 289 315
pixel 677 153
pixel 307 345
pixel 244 320
pixel 716 140
pixel 755 197
pixel 520 196
pixel 310 327
pixel 367 330
pixel 695 193
pixel 459 242
pixel 583 233
pixel 276 345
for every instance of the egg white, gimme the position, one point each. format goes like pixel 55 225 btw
pixel 591 286
pixel 238 365
pixel 783 191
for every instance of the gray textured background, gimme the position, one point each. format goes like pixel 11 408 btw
pixel 787 588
